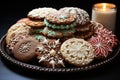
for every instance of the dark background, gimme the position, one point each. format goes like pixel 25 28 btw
pixel 12 10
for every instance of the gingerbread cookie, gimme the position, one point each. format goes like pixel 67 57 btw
pixel 60 21
pixel 25 49
pixel 82 16
pixel 49 54
pixel 77 52
pixel 16 29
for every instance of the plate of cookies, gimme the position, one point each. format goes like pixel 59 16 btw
pixel 64 40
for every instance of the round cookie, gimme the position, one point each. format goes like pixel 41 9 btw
pixel 77 52
pixel 109 36
pixel 49 54
pixel 82 16
pixel 58 33
pixel 34 23
pixel 101 48
pixel 40 13
pixel 60 20
pixel 16 29
pixel 103 40
pixel 25 49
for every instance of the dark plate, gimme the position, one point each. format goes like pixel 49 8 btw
pixel 33 66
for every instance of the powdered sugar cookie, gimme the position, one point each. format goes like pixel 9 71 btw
pixel 77 51
pixel 40 13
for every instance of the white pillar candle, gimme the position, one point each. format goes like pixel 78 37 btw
pixel 105 13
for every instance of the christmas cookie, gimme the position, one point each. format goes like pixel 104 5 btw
pixel 103 40
pixel 77 52
pixel 101 48
pixel 40 13
pixel 25 49
pixel 82 16
pixel 60 20
pixel 49 54
pixel 16 39
pixel 34 23
pixel 16 29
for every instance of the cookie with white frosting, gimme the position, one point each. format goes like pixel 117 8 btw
pixel 82 16
pixel 40 13
pixel 77 52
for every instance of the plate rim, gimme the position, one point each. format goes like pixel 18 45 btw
pixel 44 69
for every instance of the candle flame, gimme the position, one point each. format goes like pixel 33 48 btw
pixel 104 7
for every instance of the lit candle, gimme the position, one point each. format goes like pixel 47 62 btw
pixel 105 13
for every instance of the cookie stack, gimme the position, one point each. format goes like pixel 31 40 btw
pixel 56 38
pixel 84 28
pixel 36 19
pixel 59 25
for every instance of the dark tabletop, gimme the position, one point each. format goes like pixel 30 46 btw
pixel 19 8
